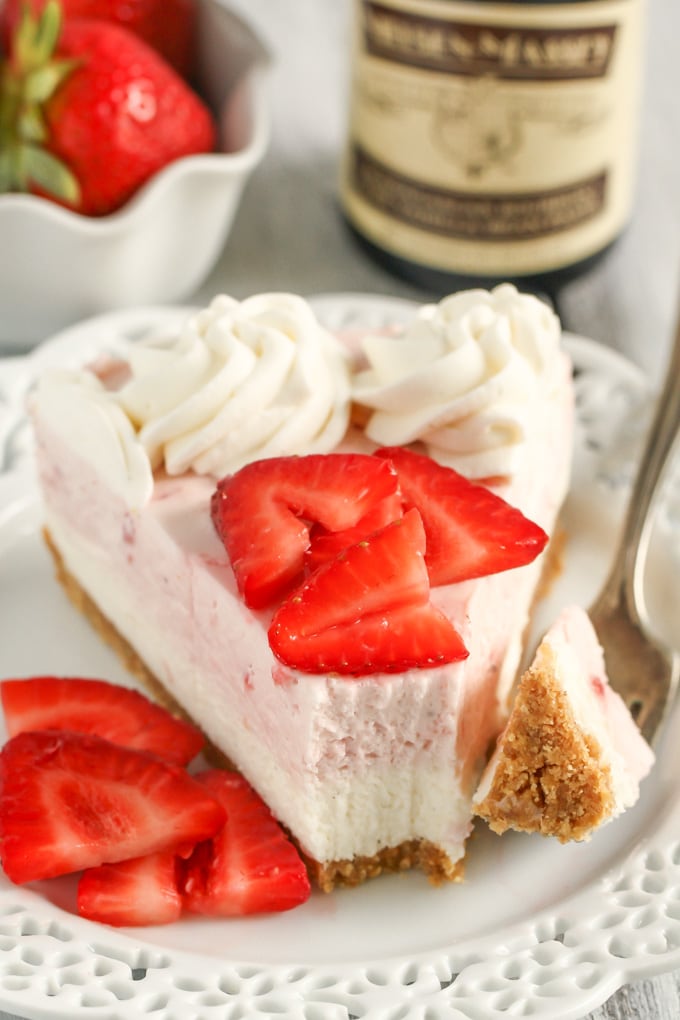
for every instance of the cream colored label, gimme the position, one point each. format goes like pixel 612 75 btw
pixel 496 139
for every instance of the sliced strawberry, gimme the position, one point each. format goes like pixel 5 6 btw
pixel 368 611
pixel 417 637
pixel 261 513
pixel 115 713
pixel 250 867
pixel 143 890
pixel 70 801
pixel 326 545
pixel 470 531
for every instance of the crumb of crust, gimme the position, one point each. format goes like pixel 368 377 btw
pixel 329 875
pixel 550 778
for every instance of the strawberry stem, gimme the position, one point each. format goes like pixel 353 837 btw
pixel 29 78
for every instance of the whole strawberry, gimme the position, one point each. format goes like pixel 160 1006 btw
pixel 89 112
pixel 166 25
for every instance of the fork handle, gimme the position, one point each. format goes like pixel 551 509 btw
pixel 626 576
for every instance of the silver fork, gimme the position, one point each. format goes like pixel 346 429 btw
pixel 641 668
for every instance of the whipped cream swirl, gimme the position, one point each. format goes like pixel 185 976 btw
pixel 80 408
pixel 241 382
pixel 463 379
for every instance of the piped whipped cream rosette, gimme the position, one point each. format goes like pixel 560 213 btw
pixel 461 379
pixel 242 381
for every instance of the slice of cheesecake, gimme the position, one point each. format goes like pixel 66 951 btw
pixel 371 771
pixel 570 757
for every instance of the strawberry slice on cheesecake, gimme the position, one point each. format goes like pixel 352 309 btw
pixel 261 514
pixel 368 610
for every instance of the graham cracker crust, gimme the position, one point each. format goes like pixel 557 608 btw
pixel 411 855
pixel 550 777
pixel 328 875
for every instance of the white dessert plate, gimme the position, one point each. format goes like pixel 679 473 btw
pixel 537 929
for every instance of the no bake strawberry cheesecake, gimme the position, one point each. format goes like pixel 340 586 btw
pixel 278 530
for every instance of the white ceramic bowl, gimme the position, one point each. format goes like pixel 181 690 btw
pixel 57 267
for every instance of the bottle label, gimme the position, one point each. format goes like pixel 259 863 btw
pixel 493 139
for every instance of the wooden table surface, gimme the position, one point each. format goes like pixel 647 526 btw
pixel 289 235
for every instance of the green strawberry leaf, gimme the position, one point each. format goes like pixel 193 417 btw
pixel 31 125
pixel 36 38
pixel 27 83
pixel 49 28
pixel 42 168
pixel 42 82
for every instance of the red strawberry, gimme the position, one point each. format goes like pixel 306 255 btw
pixel 250 867
pixel 368 611
pixel 90 113
pixel 115 713
pixel 261 514
pixel 470 531
pixel 326 545
pixel 143 890
pixel 166 25
pixel 70 801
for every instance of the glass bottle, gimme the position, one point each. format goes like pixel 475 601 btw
pixel 490 140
